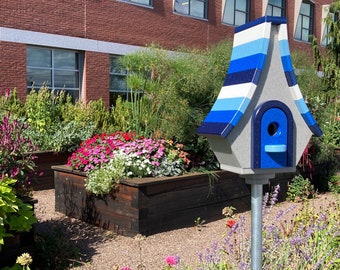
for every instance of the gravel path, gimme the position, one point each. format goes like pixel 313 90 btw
pixel 103 250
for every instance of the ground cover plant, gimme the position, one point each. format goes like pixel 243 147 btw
pixel 299 237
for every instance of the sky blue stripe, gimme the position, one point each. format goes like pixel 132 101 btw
pixel 250 48
pixel 229 104
pixel 284 47
pixel 287 63
pixel 249 62
pixel 300 103
pixel 220 116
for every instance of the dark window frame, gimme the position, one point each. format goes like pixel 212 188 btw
pixel 189 12
pixel 235 12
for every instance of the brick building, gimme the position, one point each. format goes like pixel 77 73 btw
pixel 75 44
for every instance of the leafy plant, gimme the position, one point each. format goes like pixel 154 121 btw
pixel 15 215
pixel 54 250
pixel 102 180
pixel 300 188
pixel 16 153
pixel 334 183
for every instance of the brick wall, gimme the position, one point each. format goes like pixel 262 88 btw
pixel 13 68
pixel 96 77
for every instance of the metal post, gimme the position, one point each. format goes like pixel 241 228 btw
pixel 256 182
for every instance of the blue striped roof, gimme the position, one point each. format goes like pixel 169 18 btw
pixel 251 43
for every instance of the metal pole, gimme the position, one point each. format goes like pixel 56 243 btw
pixel 256 226
pixel 256 182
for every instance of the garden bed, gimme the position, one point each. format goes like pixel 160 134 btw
pixel 44 163
pixel 150 205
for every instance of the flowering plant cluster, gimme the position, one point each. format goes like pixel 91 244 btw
pixel 120 155
pixel 16 154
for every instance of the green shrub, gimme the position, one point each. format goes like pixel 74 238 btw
pixel 178 90
pixel 11 103
pixel 43 108
pixel 300 188
pixel 334 183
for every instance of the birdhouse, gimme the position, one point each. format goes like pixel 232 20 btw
pixel 260 122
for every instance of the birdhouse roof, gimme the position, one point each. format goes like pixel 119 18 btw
pixel 250 48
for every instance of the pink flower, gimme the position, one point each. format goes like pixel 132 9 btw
pixel 172 260
pixel 126 268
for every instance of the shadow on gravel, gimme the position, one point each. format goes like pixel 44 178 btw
pixel 66 242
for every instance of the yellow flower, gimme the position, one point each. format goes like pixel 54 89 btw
pixel 24 259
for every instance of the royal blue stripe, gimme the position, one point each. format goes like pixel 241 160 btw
pixel 252 75
pixel 237 117
pixel 272 19
pixel 249 62
pixel 220 116
pixel 247 49
pixel 230 104
pixel 290 77
pixel 287 63
pixel 309 119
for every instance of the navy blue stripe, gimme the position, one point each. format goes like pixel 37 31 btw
pixel 272 19
pixel 220 129
pixel 250 62
pixel 290 77
pixel 251 75
pixel 316 130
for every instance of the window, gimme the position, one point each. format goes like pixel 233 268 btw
pixel 276 8
pixel 195 8
pixel 57 69
pixel 304 27
pixel 141 2
pixel 236 12
pixel 331 18
pixel 118 86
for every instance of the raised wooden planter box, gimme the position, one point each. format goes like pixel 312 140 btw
pixel 150 205
pixel 44 162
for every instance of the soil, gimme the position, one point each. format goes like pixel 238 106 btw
pixel 100 249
